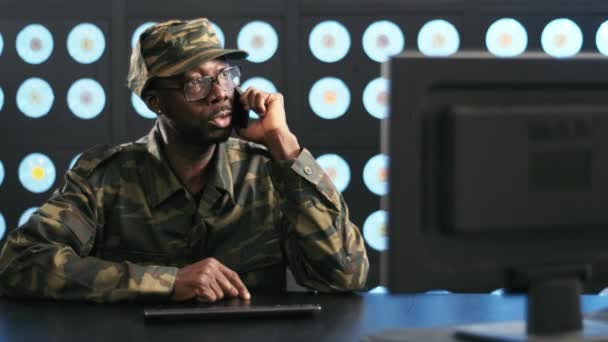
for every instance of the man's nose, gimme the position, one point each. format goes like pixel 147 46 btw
pixel 217 93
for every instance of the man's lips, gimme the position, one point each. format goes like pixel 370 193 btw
pixel 222 119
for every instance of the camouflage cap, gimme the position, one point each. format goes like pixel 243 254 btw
pixel 173 47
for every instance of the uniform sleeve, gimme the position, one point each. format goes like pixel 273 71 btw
pixel 324 249
pixel 50 255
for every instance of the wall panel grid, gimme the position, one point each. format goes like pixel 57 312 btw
pixel 64 65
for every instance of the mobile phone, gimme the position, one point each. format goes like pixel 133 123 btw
pixel 240 116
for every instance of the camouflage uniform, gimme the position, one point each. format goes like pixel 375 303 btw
pixel 123 224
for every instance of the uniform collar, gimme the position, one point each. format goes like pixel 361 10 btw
pixel 161 182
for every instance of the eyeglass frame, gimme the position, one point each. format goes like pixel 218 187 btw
pixel 214 79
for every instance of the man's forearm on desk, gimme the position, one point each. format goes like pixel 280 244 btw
pixel 50 270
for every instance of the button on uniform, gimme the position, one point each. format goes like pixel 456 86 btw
pixel 308 170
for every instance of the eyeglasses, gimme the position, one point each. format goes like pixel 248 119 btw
pixel 199 87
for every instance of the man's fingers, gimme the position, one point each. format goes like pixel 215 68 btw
pixel 206 295
pixel 226 285
pixel 219 294
pixel 254 99
pixel 260 99
pixel 251 98
pixel 234 278
pixel 245 99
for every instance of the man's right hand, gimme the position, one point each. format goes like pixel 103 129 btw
pixel 208 281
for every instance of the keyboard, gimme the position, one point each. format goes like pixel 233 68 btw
pixel 222 312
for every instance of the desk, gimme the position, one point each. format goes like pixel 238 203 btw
pixel 344 318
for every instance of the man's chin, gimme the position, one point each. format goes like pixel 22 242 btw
pixel 208 138
pixel 219 135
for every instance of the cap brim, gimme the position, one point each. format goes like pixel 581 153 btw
pixel 196 60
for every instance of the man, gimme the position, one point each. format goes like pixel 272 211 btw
pixel 187 212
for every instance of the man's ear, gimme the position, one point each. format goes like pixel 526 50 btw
pixel 152 100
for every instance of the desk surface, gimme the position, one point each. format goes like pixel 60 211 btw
pixel 344 318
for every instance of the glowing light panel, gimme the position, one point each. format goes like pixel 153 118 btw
pixel 219 33
pixel 2 226
pixel 139 30
pixel 34 44
pixel 329 41
pixel 337 169
pixel 438 38
pixel 35 97
pixel 383 39
pixel 379 290
pixel 141 108
pixel 562 38
pixel 375 174
pixel 375 97
pixel 506 37
pixel 37 172
pixel 74 160
pixel 259 39
pixel 601 38
pixel 329 98
pixel 375 230
pixel 86 43
pixel 26 215
pixel 499 292
pixel 86 98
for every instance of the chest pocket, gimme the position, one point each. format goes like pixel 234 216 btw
pixel 159 236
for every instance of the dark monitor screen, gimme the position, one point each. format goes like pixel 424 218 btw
pixel 498 171
pixel 524 167
pixel 495 164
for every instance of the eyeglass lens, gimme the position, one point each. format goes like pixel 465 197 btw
pixel 199 88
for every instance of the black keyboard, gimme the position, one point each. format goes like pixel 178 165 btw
pixel 219 312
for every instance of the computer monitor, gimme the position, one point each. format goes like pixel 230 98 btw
pixel 499 178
